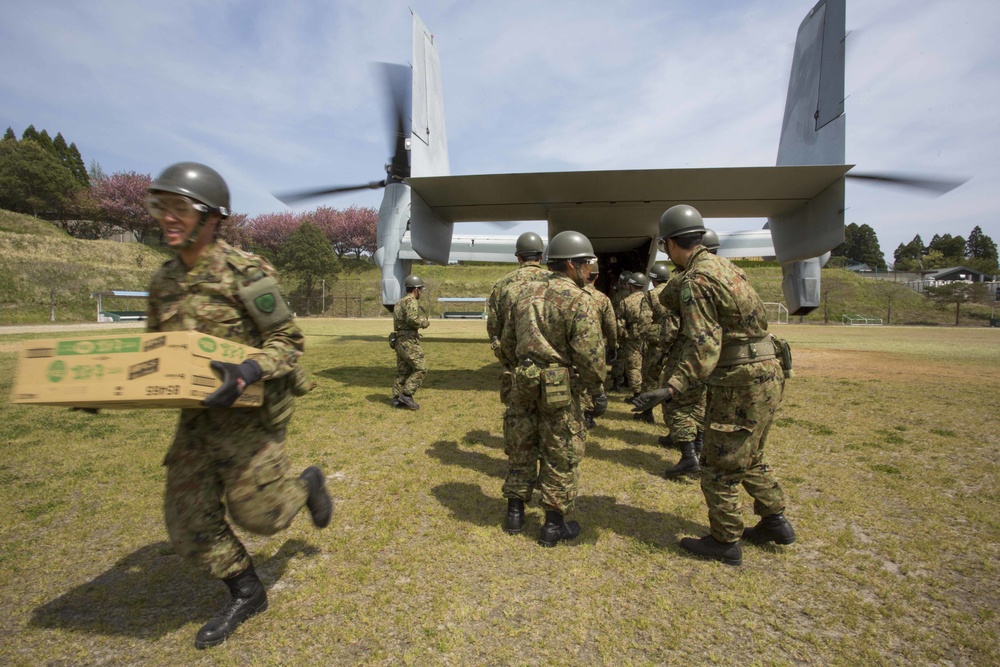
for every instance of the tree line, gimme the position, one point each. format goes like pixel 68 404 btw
pixel 46 178
pixel 978 251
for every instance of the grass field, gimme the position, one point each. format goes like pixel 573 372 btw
pixel 887 445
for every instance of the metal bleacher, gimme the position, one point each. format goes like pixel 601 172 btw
pixel 118 305
pixel 464 314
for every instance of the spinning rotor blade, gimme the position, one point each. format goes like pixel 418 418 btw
pixel 295 197
pixel 932 186
pixel 396 81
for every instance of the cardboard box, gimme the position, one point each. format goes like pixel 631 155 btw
pixel 140 370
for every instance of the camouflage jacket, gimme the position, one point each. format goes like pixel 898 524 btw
pixel 406 316
pixel 718 307
pixel 606 315
pixel 206 298
pixel 658 314
pixel 505 292
pixel 670 301
pixel 635 317
pixel 553 322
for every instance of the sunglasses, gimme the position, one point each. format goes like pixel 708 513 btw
pixel 179 207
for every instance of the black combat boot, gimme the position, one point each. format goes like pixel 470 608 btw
pixel 407 401
pixel 616 386
pixel 773 528
pixel 699 442
pixel 249 598
pixel 665 441
pixel 631 399
pixel 319 502
pixel 556 528
pixel 688 465
pixel 645 416
pixel 729 553
pixel 515 516
pixel 396 403
pixel 589 421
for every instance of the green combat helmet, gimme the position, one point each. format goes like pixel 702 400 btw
pixel 197 181
pixel 570 245
pixel 710 240
pixel 660 272
pixel 639 279
pixel 529 243
pixel 624 276
pixel 679 220
pixel 413 281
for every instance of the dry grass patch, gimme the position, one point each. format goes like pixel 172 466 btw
pixel 884 444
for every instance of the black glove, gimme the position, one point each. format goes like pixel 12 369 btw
pixel 651 399
pixel 600 405
pixel 235 378
pixel 611 356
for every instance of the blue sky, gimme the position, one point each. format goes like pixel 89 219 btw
pixel 280 96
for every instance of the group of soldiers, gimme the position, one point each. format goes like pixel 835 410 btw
pixel 696 344
pixel 552 331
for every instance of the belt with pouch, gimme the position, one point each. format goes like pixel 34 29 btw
pixel 738 353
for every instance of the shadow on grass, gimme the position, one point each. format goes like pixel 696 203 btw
pixel 384 338
pixel 449 453
pixel 150 593
pixel 468 503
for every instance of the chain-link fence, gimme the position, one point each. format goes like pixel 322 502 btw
pixel 343 298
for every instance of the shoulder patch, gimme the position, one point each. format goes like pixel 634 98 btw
pixel 686 294
pixel 266 302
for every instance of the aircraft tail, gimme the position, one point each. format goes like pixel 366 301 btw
pixel 813 134
pixel 429 233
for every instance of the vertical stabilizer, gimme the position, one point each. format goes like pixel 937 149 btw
pixel 429 141
pixel 429 233
pixel 812 133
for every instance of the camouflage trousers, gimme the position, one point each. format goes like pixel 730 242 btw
pixel 631 352
pixel 544 447
pixel 652 367
pixel 226 455
pixel 411 366
pixel 685 414
pixel 738 420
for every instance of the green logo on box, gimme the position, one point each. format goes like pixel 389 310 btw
pixel 57 371
pixel 207 345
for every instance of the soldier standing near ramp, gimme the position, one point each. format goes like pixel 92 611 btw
pixel 236 454
pixel 652 353
pixel 554 342
pixel 727 346
pixel 609 331
pixel 411 365
pixel 634 320
pixel 528 249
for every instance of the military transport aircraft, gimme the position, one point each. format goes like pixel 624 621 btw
pixel 802 196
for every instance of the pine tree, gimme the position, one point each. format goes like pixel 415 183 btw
pixel 29 133
pixel 9 134
pixel 981 251
pixel 45 141
pixel 78 168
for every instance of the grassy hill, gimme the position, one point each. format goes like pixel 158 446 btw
pixel 40 263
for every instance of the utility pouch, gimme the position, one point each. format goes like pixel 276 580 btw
pixel 525 389
pixel 783 351
pixel 555 387
pixel 393 337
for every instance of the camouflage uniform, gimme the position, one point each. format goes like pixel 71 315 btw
pixel 411 366
pixel 609 328
pixel 653 355
pixel 685 414
pixel 238 453
pixel 634 320
pixel 503 296
pixel 618 294
pixel 721 311
pixel 553 326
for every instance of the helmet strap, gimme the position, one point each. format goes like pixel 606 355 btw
pixel 193 236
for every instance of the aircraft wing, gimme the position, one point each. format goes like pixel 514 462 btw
pixel 618 208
